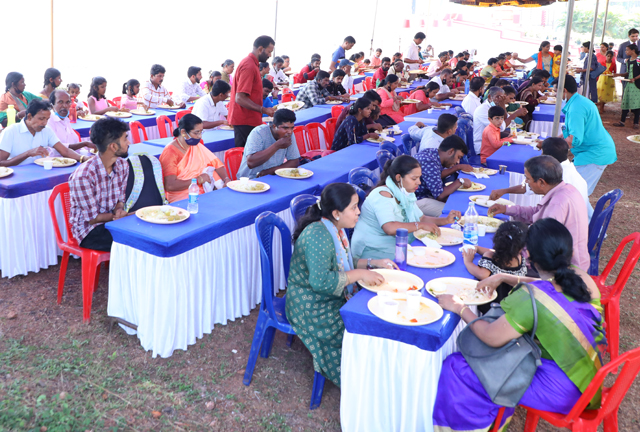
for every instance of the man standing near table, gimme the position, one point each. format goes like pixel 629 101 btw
pixel 153 93
pixel 561 202
pixel 21 143
pixel 97 189
pixel 436 66
pixel 472 101
pixel 437 164
pixel 190 89
pixel 268 146
pixel 341 52
pixel 592 146
pixel 315 92
pixel 431 138
pixel 412 55
pixel 381 73
pixel 622 56
pixel 210 108
pixel 61 126
pixel 245 107
pixel 443 80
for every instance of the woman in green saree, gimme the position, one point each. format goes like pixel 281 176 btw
pixel 323 273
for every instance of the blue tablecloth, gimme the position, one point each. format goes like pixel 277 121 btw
pixel 359 320
pixel 433 116
pixel 84 127
pixel 546 113
pixel 31 178
pixel 216 140
pixel 513 157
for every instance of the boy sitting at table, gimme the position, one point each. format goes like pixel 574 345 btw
pixel 491 140
pixel 269 95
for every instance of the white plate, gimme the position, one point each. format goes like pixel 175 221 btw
pixel 167 107
pixel 118 114
pixel 225 127
pixel 426 257
pixel 142 112
pixel 486 201
pixel 487 171
pixel 548 102
pixel 410 101
pixel 524 141
pixel 6 172
pixel 334 102
pixel 475 187
pixel 483 220
pixel 634 138
pixel 239 186
pixel 286 173
pixel 90 117
pixel 447 237
pixel 463 288
pixel 293 105
pixel 395 281
pixel 381 139
pixel 58 162
pixel 429 311
pixel 147 214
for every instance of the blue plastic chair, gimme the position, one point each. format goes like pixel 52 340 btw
pixel 599 225
pixel 300 204
pixel 408 143
pixel 391 148
pixel 465 131
pixel 362 177
pixel 459 110
pixel 361 195
pixel 272 314
pixel 382 156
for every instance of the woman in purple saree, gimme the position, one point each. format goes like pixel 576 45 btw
pixel 569 332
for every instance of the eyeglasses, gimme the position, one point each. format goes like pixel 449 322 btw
pixel 196 133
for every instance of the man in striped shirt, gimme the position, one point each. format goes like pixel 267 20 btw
pixel 153 93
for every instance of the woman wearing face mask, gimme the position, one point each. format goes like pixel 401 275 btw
pixel 392 205
pixel 186 158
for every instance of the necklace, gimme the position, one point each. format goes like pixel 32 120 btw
pixel 181 146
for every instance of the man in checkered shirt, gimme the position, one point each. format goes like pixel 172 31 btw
pixel 97 188
pixel 315 92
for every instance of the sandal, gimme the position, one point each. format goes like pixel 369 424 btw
pixel 636 126
pixel 619 124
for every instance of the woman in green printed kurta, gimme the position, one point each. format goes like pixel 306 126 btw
pixel 322 276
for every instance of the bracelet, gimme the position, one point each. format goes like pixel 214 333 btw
pixel 417 228
pixel 369 266
pixel 81 158
pixel 518 280
pixel 462 310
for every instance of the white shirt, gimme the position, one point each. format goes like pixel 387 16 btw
pixel 279 76
pixel 187 89
pixel 427 136
pixel 570 175
pixel 443 87
pixel 481 121
pixel 16 139
pixel 471 102
pixel 431 72
pixel 347 83
pixel 412 51
pixel 209 111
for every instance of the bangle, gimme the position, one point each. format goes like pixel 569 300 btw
pixel 518 280
pixel 462 310
pixel 81 158
pixel 417 228
pixel 369 266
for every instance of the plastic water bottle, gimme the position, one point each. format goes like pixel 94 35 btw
pixel 73 113
pixel 402 238
pixel 291 82
pixel 470 232
pixel 514 128
pixel 11 115
pixel 194 191
pixel 466 86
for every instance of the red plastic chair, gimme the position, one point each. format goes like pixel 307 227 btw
pixel 610 294
pixel 162 121
pixel 232 161
pixel 78 133
pixel 136 127
pixel 336 110
pixel 111 103
pixel 301 141
pixel 579 418
pixel 313 135
pixel 403 95
pixel 288 97
pixel 330 126
pixel 181 114
pixel 368 83
pixel 287 90
pixel 116 100
pixel 91 259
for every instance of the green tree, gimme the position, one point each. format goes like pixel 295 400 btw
pixel 617 23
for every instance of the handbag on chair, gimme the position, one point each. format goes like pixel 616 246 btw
pixel 506 372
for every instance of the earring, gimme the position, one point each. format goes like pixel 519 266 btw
pixel 338 218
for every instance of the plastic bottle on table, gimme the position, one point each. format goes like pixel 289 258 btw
pixel 291 82
pixel 514 128
pixel 402 238
pixel 11 115
pixel 194 191
pixel 470 232
pixel 73 113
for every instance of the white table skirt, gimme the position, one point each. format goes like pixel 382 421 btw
pixel 27 239
pixel 531 200
pixel 176 300
pixel 388 385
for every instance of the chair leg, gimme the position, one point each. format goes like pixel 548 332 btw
pixel 613 315
pixel 258 337
pixel 316 392
pixel 531 422
pixel 63 274
pixel 89 267
pixel 496 424
pixel 290 340
pixel 611 422
pixel 97 278
pixel 267 342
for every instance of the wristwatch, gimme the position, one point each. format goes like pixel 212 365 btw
pixel 369 266
pixel 461 181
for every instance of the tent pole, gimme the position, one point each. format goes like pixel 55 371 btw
pixel 275 30
pixel 375 16
pixel 51 33
pixel 563 68
pixel 604 27
pixel 585 85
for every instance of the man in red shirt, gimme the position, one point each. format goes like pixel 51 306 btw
pixel 381 73
pixel 245 107
pixel 309 71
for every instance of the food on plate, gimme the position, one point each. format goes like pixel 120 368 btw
pixel 490 222
pixel 296 172
pixel 487 171
pixel 118 114
pixel 634 138
pixel 163 214
pixel 474 187
pixel 250 186
pixel 91 117
pixel 461 287
pixel 426 234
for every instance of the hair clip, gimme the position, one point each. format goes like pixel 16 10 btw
pixel 318 203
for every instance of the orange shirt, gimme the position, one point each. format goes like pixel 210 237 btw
pixel 491 142
pixel 417 95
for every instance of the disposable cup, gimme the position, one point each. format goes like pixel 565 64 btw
pixel 48 164
pixel 482 230
pixel 390 309
pixel 413 300
pixel 383 296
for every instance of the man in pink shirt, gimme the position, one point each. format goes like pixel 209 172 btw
pixel 61 126
pixel 561 202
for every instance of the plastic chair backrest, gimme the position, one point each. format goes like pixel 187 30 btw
pixel 403 95
pixel 330 126
pixel 135 127
pixel 299 134
pixel 599 225
pixel 232 161
pixel 181 114
pixel 313 135
pixel 336 110
pixel 361 195
pixel 62 190
pixel 368 83
pixel 408 143
pixel 362 176
pixel 78 134
pixel 300 204
pixel 382 156
pixel 288 97
pixel 390 147
pixel 459 110
pixel 265 224
pixel 162 121
pixel 116 100
pixel 286 90
pixel 465 131
pixel 627 268
pixel 111 103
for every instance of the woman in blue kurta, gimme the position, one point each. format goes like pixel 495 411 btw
pixel 323 273
pixel 569 334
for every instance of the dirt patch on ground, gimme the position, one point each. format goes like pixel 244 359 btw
pixel 57 374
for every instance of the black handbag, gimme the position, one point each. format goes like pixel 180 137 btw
pixel 506 372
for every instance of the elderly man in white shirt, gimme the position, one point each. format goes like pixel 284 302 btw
pixel 472 101
pixel 277 73
pixel 432 137
pixel 211 108
pixel 61 126
pixel 413 51
pixel 190 89
pixel 21 143
pixel 436 66
pixel 481 116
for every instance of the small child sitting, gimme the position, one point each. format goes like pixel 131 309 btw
pixel 491 140
pixel 505 257
pixel 269 94
pixel 74 91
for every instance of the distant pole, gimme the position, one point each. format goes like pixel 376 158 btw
pixel 585 86
pixel 563 68
pixel 275 30
pixel 51 33
pixel 604 26
pixel 375 15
